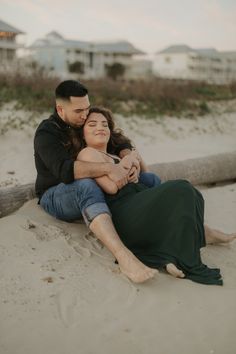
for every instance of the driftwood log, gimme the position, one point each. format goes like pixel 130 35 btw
pixel 199 171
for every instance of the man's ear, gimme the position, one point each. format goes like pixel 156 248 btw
pixel 60 110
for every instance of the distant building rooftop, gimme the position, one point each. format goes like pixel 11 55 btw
pixel 208 52
pixel 179 48
pixel 5 27
pixel 54 39
pixel 117 47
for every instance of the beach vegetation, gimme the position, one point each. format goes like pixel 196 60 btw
pixel 147 98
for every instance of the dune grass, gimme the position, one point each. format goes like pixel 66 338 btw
pixel 148 98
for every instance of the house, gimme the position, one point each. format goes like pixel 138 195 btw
pixel 8 44
pixel 89 60
pixel 184 62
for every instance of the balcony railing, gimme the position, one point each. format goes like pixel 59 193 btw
pixel 10 45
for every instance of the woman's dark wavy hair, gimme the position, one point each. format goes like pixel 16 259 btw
pixel 117 137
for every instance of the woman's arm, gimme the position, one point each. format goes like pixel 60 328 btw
pixel 92 155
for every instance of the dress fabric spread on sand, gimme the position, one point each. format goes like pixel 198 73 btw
pixel 162 225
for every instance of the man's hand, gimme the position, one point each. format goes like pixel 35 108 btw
pixel 130 160
pixel 119 175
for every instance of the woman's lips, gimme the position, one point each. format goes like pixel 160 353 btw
pixel 103 134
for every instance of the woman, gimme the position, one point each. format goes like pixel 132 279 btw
pixel 163 226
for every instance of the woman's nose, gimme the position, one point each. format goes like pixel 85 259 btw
pixel 100 128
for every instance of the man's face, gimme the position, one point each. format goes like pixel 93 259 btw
pixel 75 111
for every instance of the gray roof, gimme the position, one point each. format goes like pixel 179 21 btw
pixel 179 48
pixel 55 35
pixel 207 52
pixel 85 46
pixel 117 47
pixel 54 39
pixel 5 27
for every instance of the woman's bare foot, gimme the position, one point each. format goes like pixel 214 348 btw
pixel 215 236
pixel 133 268
pixel 173 270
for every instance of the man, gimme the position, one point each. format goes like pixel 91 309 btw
pixel 66 188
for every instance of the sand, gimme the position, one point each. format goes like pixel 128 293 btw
pixel 61 291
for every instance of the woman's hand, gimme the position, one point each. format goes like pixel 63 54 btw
pixel 133 175
pixel 119 175
pixel 131 163
pixel 142 164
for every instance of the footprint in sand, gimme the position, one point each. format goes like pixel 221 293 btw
pixel 44 232
pixel 66 303
pixel 86 245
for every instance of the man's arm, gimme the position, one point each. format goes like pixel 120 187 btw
pixel 58 161
pixel 117 173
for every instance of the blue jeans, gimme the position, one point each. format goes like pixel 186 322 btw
pixel 149 179
pixel 83 198
pixel 70 202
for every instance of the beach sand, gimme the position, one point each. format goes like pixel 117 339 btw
pixel 61 291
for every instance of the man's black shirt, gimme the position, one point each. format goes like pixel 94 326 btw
pixel 53 159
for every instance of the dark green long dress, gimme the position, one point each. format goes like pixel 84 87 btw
pixel 162 225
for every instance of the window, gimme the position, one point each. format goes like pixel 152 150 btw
pixel 90 59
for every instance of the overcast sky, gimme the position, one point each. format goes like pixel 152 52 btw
pixel 150 25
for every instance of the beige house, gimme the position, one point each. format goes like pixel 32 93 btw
pixel 90 60
pixel 184 62
pixel 8 45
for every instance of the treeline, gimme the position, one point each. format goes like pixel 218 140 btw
pixel 143 97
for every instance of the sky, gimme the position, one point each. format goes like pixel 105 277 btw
pixel 150 25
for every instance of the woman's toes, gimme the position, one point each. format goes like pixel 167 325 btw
pixel 174 271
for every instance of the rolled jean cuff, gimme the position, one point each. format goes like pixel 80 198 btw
pixel 93 210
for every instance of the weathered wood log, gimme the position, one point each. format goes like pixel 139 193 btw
pixel 13 198
pixel 204 170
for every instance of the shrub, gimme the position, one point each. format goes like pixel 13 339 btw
pixel 148 97
pixel 115 70
pixel 76 67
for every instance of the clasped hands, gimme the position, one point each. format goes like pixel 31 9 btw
pixel 127 170
pixel 131 163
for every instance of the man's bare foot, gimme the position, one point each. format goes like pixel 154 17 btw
pixel 133 268
pixel 215 236
pixel 173 270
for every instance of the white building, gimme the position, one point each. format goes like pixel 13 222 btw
pixel 88 59
pixel 8 45
pixel 183 62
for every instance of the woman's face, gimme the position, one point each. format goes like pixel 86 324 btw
pixel 96 131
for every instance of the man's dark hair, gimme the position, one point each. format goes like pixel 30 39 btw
pixel 69 88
